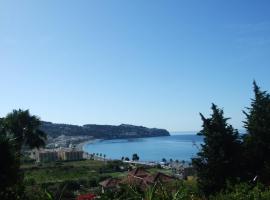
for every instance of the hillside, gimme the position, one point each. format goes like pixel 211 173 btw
pixel 102 131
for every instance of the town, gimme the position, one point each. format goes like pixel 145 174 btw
pixel 71 164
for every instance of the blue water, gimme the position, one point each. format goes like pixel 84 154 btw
pixel 181 147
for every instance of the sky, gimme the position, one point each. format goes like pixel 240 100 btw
pixel 154 63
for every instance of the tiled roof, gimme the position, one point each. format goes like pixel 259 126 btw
pixel 134 181
pixel 158 177
pixel 110 183
pixel 139 172
pixel 138 177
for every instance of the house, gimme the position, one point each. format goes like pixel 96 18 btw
pixel 109 184
pixel 134 181
pixel 158 177
pixel 138 177
pixel 139 172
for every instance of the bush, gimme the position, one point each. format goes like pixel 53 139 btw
pixel 244 191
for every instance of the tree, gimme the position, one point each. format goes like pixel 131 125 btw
pixel 24 128
pixel 217 160
pixel 126 159
pixel 164 160
pixel 135 157
pixel 17 130
pixel 10 176
pixel 257 140
pixel 9 163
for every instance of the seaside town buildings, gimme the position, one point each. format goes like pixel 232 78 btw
pixel 50 155
pixel 45 156
pixel 70 154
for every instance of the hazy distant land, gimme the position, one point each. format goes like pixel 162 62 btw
pixel 102 131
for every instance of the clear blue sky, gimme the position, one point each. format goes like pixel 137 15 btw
pixel 152 63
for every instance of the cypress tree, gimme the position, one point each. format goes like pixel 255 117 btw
pixel 257 139
pixel 217 160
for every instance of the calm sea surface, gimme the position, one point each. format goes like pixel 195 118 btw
pixel 181 146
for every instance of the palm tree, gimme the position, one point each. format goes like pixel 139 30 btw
pixel 17 130
pixel 135 157
pixel 24 128
pixel 183 162
pixel 126 158
pixel 9 159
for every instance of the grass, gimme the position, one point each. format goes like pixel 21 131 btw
pixel 62 171
pixel 56 172
pixel 117 174
pixel 155 170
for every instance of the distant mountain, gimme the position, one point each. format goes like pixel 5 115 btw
pixel 102 131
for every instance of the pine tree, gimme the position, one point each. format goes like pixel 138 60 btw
pixel 257 139
pixel 217 160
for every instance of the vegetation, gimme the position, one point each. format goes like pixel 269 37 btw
pixel 257 140
pixel 102 131
pixel 244 191
pixel 229 167
pixel 9 166
pixel 224 158
pixel 217 162
pixel 135 157
pixel 18 130
pixel 184 190
pixel 24 129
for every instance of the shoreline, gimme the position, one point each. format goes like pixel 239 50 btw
pixel 188 144
pixel 80 145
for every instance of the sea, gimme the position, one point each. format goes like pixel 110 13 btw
pixel 179 146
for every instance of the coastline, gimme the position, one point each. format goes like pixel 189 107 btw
pixel 80 145
pixel 150 149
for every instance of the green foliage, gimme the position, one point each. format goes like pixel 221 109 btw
pixel 158 191
pixel 257 139
pixel 17 129
pixel 135 157
pixel 217 161
pixel 102 131
pixel 244 191
pixel 183 191
pixel 126 159
pixel 9 163
pixel 24 128
pixel 14 192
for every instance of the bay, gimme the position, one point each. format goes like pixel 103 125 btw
pixel 178 146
